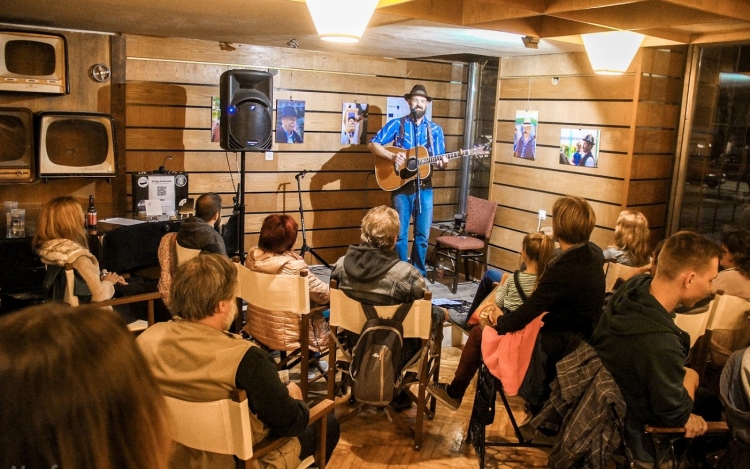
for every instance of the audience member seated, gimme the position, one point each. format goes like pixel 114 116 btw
pixel 201 231
pixel 735 259
pixel 631 246
pixel 194 358
pixel 536 253
pixel 274 255
pixel 61 239
pixel 571 292
pixel 645 351
pixel 372 273
pixel 77 393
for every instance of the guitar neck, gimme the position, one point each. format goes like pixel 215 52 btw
pixel 436 158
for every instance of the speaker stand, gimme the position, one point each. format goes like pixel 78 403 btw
pixel 306 247
pixel 241 220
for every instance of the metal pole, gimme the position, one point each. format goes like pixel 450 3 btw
pixel 470 125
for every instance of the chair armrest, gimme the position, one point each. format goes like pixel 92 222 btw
pixel 268 445
pixel 320 409
pixel 130 299
pixel 714 428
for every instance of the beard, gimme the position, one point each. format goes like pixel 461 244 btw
pixel 231 317
pixel 418 113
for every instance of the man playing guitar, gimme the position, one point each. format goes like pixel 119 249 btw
pixel 413 199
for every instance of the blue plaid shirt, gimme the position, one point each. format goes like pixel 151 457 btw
pixel 391 132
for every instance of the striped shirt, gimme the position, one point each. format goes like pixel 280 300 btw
pixel 507 295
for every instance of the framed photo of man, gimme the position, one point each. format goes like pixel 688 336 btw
pixel 524 139
pixel 215 119
pixel 580 147
pixel 354 124
pixel 290 121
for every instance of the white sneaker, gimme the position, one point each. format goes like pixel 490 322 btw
pixel 312 373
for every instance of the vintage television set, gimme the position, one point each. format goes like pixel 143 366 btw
pixel 75 144
pixel 33 62
pixel 17 145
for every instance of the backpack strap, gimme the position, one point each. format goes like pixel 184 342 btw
pixel 370 312
pixel 402 312
pixel 518 286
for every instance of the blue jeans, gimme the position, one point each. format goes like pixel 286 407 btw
pixel 404 205
pixel 484 289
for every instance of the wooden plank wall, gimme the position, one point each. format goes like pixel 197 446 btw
pixel 637 113
pixel 86 95
pixel 169 86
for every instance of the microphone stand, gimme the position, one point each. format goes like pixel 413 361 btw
pixel 418 181
pixel 306 247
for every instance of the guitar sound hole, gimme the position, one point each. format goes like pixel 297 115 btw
pixel 409 169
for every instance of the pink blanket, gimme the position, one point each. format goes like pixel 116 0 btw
pixel 508 356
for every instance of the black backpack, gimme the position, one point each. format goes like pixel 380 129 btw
pixel 376 358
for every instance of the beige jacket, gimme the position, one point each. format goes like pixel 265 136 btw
pixel 279 330
pixel 64 251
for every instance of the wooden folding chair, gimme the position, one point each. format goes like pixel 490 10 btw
pixel 674 434
pixel 278 318
pixel 694 323
pixel 348 315
pixel 224 427
pixel 615 271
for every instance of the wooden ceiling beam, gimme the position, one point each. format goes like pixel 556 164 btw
pixel 480 12
pixel 725 37
pixel 559 6
pixel 441 11
pixel 738 9
pixel 537 6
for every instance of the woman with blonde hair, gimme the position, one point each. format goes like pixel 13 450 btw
pixel 77 393
pixel 631 243
pixel 61 239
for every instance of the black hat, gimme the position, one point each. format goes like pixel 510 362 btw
pixel 288 111
pixel 417 90
pixel 590 139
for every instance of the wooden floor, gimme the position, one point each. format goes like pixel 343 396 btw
pixel 370 441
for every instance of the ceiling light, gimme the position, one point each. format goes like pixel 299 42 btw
pixel 611 52
pixel 344 20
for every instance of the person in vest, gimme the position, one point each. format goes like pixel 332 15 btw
pixel 372 273
pixel 194 358
pixel 587 159
pixel 411 201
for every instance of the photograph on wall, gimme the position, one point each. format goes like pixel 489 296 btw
pixel 580 147
pixel 354 124
pixel 524 139
pixel 215 119
pixel 290 121
pixel 398 107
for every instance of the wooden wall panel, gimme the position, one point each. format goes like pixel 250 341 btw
pixel 169 90
pixel 637 114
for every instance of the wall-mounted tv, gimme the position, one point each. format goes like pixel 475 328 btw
pixel 33 62
pixel 76 144
pixel 16 145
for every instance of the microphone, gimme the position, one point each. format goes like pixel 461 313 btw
pixel 161 168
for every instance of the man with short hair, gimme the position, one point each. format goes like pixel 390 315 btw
pixel 372 273
pixel 643 349
pixel 200 231
pixel 194 358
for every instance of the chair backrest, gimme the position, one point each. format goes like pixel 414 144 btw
pixel 168 264
pixel 348 313
pixel 480 216
pixel 728 313
pixel 693 323
pixel 286 293
pixel 218 426
pixel 619 271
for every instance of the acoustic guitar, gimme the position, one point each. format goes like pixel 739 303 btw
pixel 391 177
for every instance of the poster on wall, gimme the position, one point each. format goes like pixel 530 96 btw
pixel 354 123
pixel 215 119
pixel 524 139
pixel 580 147
pixel 290 121
pixel 398 107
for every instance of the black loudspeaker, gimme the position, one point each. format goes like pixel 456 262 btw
pixel 246 110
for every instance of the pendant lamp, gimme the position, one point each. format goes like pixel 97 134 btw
pixel 344 20
pixel 611 52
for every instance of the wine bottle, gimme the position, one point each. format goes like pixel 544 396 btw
pixel 91 214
